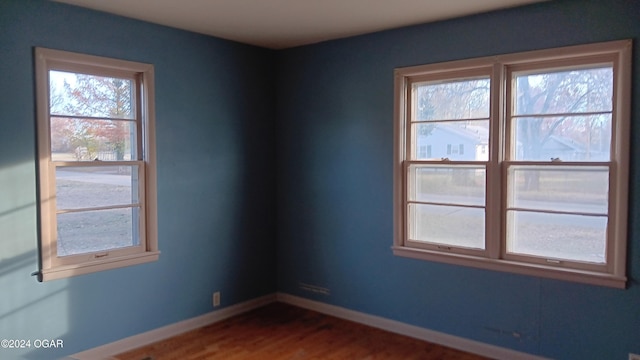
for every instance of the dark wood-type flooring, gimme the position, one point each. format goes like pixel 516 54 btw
pixel 282 332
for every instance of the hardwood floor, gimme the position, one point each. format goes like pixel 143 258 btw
pixel 280 331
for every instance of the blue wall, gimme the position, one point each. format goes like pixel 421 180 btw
pixel 319 149
pixel 215 145
pixel 335 155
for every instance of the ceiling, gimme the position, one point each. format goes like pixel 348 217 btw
pixel 279 24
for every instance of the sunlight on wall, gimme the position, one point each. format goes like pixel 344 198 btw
pixel 28 309
pixel 17 210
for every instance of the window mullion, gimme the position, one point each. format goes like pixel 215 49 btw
pixel 494 212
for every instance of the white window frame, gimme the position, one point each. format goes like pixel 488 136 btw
pixel 53 266
pixel 494 256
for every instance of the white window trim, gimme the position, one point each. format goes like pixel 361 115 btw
pixel 493 258
pixel 53 267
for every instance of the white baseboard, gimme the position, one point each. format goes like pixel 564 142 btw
pixel 165 332
pixel 476 347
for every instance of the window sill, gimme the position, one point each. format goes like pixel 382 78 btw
pixel 98 265
pixel 579 276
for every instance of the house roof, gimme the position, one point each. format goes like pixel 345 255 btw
pixel 473 133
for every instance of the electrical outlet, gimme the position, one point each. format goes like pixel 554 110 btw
pixel 216 299
pixel 634 356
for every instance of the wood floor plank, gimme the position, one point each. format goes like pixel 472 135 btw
pixel 283 332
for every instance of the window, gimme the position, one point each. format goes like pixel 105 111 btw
pixel 547 195
pixel 97 177
pixel 422 152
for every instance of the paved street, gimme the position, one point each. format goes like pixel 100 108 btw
pixel 97 178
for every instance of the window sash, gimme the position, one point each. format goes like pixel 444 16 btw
pixel 413 201
pixel 509 210
pixel 139 237
pixel 117 70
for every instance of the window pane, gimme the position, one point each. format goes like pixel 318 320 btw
pixel 92 231
pixel 568 91
pixel 575 189
pixel 75 139
pixel 73 94
pixel 563 237
pixel 459 140
pixel 459 99
pixel 86 187
pixel 459 185
pixel 568 138
pixel 447 225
